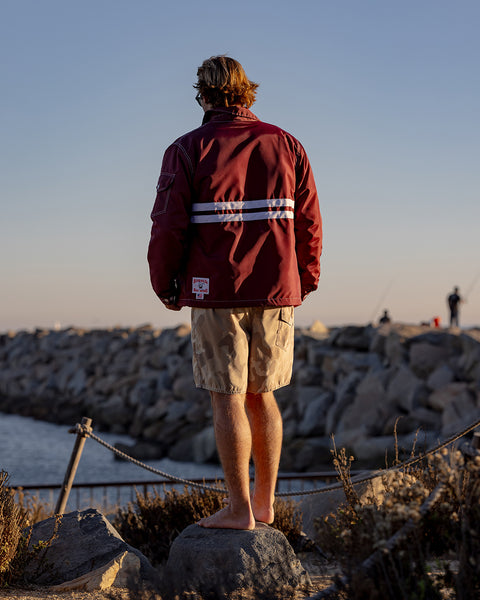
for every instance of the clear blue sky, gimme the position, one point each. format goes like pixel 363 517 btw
pixel 385 97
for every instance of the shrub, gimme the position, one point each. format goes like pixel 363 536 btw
pixel 18 512
pixel 32 508
pixel 11 523
pixel 449 528
pixel 152 522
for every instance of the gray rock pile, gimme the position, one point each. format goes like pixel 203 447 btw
pixel 353 382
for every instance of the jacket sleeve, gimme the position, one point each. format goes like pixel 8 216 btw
pixel 170 221
pixel 308 226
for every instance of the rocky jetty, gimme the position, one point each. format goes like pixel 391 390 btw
pixel 353 382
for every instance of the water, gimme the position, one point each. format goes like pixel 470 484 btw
pixel 36 452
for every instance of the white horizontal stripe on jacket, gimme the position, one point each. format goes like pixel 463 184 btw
pixel 255 216
pixel 241 210
pixel 243 204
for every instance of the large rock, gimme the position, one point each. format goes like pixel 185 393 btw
pixel 344 396
pixel 85 552
pixel 307 454
pixel 442 398
pixel 219 562
pixel 404 389
pixel 368 407
pixel 313 421
pixel 425 357
pixel 440 377
pixel 460 412
pixel 352 337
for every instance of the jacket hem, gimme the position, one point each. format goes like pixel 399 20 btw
pixel 239 303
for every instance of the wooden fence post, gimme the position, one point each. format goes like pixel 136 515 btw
pixel 72 467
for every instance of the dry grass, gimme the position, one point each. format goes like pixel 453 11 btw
pixel 18 512
pixel 416 563
pixel 12 520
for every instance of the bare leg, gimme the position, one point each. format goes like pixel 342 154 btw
pixel 267 431
pixel 234 445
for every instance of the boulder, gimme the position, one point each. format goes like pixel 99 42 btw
pixel 344 396
pixel 394 349
pixel 349 437
pixel 440 377
pixel 313 420
pixel 204 446
pixel 142 450
pixel 442 398
pixel 470 358
pixel 220 562
pixel 459 413
pixel 304 395
pixel 310 454
pixel 404 389
pixel 425 357
pixel 85 550
pixel 374 449
pixel 368 406
pixel 352 337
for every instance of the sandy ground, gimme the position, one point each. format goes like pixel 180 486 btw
pixel 320 573
pixel 319 583
pixel 37 593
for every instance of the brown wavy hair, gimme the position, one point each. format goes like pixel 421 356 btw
pixel 223 82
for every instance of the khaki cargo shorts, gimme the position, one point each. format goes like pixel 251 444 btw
pixel 239 350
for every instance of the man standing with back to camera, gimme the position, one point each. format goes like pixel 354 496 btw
pixel 237 236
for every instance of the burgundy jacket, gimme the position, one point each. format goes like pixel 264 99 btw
pixel 236 220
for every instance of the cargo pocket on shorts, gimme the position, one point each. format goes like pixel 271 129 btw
pixel 164 187
pixel 285 327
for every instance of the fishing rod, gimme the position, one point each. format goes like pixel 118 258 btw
pixel 472 285
pixel 382 298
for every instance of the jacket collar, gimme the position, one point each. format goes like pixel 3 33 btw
pixel 227 113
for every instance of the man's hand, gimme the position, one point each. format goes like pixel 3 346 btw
pixel 171 303
pixel 171 306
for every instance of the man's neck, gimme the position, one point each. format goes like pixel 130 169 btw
pixel 207 106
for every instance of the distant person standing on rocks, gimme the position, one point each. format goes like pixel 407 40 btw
pixel 454 301
pixel 237 235
pixel 385 318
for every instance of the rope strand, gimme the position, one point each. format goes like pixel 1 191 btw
pixel 357 480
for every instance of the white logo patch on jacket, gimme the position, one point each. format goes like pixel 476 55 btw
pixel 200 287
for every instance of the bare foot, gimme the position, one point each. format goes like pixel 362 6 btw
pixel 263 513
pixel 226 519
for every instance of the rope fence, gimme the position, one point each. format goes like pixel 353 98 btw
pixel 84 430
